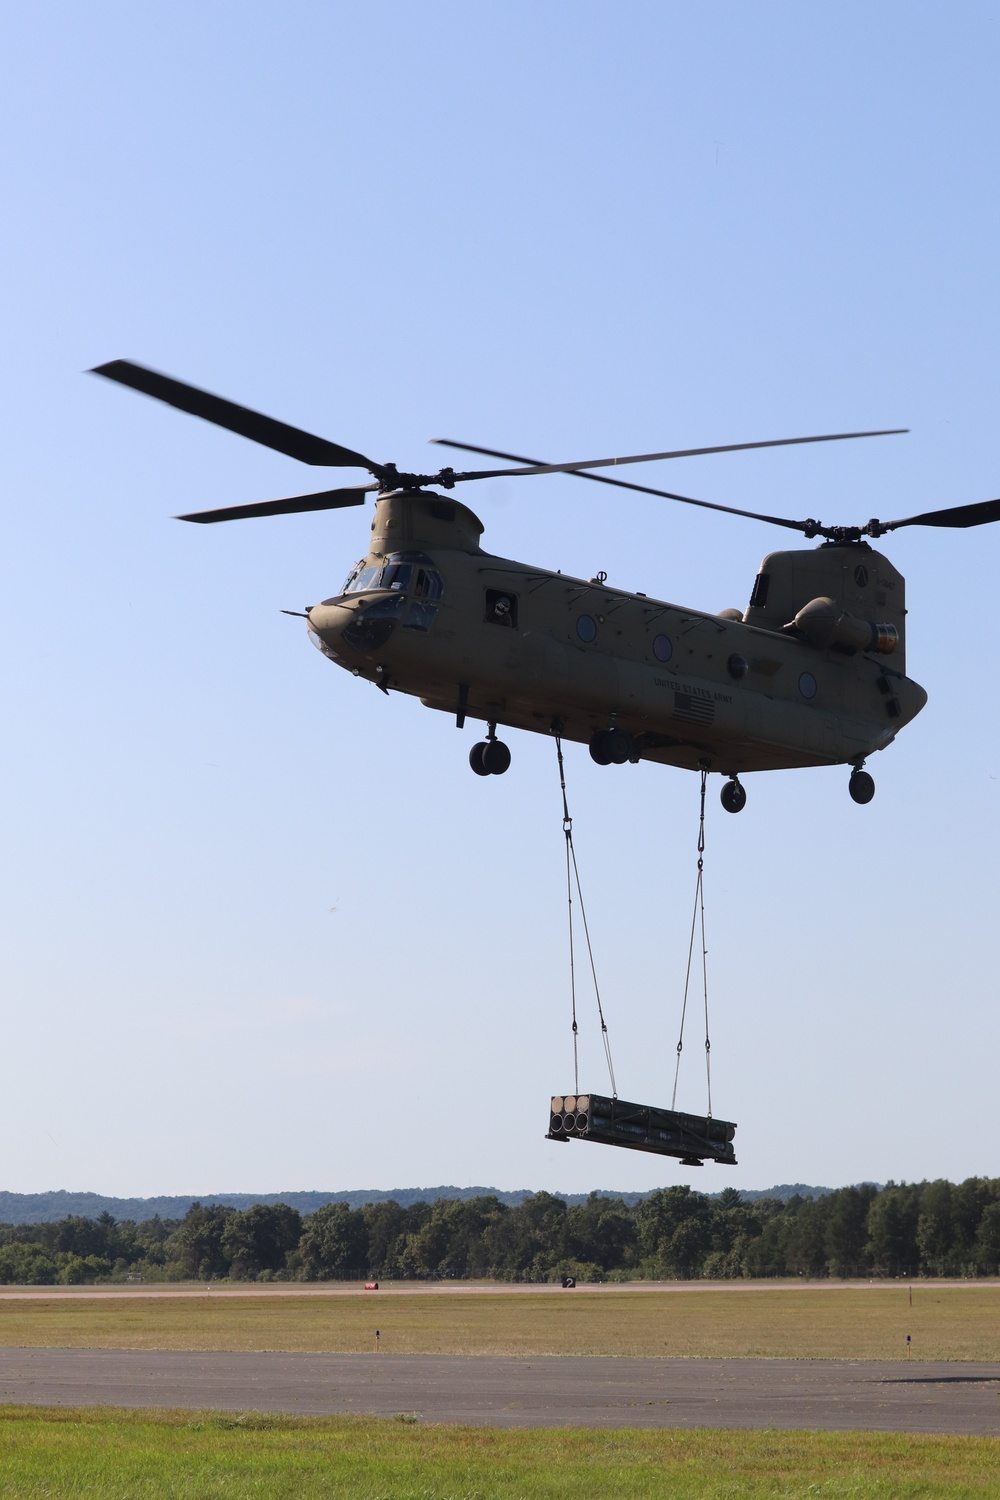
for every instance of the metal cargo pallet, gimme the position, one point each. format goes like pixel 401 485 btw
pixel 641 1127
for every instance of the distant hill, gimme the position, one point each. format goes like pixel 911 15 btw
pixel 47 1208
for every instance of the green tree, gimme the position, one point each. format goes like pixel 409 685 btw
pixel 687 1247
pixel 736 1232
pixel 525 1243
pixel 81 1237
pixel 987 1247
pixel 892 1230
pixel 385 1226
pixel 453 1240
pixel 806 1252
pixel 197 1242
pixel 968 1201
pixel 660 1215
pixel 934 1228
pixel 334 1243
pixel 77 1269
pixel 150 1241
pixel 601 1232
pixel 764 1253
pixel 26 1265
pixel 847 1229
pixel 260 1238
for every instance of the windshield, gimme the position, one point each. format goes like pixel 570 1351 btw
pixel 396 573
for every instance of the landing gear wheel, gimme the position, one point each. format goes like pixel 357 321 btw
pixel 733 796
pixel 861 787
pixel 619 746
pixel 476 758
pixel 612 747
pixel 495 757
pixel 600 750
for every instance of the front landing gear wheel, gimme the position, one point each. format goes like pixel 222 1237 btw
pixel 600 751
pixel 489 758
pixel 495 757
pixel 612 747
pixel 733 796
pixel 861 787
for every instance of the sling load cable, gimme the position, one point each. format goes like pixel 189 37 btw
pixel 698 912
pixel 573 873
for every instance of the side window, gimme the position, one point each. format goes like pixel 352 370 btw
pixel 501 608
pixel 758 599
pixel 428 584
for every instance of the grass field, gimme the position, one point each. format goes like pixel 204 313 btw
pixel 113 1455
pixel 945 1322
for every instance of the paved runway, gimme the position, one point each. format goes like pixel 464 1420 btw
pixel 550 1391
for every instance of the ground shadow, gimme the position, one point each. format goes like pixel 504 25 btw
pixel 941 1380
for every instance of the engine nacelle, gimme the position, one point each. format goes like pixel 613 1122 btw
pixel 826 624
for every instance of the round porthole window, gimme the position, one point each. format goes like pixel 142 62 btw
pixel 737 666
pixel 663 648
pixel 807 685
pixel 586 628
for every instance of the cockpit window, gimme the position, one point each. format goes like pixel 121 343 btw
pixel 362 578
pixel 428 583
pixel 351 577
pixel 395 573
pixel 396 576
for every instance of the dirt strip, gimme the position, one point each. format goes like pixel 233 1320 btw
pixel 157 1291
pixel 551 1391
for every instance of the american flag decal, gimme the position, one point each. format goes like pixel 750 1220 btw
pixel 696 710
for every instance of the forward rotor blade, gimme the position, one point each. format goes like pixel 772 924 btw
pixel 645 458
pixel 625 484
pixel 239 419
pixel 956 515
pixel 294 505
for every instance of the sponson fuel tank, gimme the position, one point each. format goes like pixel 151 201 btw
pixel 826 624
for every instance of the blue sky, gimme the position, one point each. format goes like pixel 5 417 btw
pixel 262 927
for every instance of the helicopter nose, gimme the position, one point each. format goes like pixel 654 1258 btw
pixel 327 623
pixel 324 618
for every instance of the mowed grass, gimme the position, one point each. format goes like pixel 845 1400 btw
pixel 115 1455
pixel 818 1322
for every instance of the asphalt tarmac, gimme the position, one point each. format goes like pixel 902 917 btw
pixel 533 1391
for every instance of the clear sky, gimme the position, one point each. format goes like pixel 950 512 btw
pixel 262 927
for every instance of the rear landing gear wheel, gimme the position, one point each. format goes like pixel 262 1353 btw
pixel 476 758
pixel 861 787
pixel 733 796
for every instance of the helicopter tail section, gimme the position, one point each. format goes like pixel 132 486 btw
pixel 843 597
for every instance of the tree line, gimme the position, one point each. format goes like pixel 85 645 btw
pixel 904 1229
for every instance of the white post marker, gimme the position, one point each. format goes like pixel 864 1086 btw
pixel 376 1341
pixel 907 1345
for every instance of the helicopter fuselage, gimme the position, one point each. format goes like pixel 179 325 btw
pixel 429 613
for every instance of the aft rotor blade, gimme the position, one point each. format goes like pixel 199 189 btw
pixel 239 419
pixel 625 484
pixel 956 515
pixel 645 458
pixel 294 505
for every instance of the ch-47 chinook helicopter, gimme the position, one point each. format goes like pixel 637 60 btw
pixel 812 673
